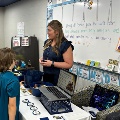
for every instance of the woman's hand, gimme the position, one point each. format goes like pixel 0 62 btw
pixel 40 60
pixel 46 63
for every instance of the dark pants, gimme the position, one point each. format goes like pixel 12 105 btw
pixel 52 78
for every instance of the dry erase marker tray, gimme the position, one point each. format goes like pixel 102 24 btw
pixel 57 106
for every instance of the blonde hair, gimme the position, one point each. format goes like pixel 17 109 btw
pixel 57 26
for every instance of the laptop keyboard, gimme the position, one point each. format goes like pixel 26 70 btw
pixel 56 92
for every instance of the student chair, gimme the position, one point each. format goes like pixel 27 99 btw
pixel 83 97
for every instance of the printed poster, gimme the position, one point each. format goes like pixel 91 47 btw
pixel 114 79
pixel 49 2
pixel 74 69
pixel 25 41
pixel 99 77
pixel 85 72
pixel 16 41
pixel 50 15
pixel 20 29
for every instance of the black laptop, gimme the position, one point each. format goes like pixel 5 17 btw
pixel 64 89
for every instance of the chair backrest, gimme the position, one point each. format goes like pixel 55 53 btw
pixel 33 76
pixel 112 87
pixel 113 116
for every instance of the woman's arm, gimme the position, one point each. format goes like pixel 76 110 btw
pixel 68 60
pixel 12 108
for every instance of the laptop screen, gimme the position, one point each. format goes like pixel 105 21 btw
pixel 67 81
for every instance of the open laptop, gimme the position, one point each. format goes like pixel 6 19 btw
pixel 64 89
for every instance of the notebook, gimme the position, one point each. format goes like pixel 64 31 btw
pixel 64 89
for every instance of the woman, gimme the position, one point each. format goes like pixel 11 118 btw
pixel 57 53
pixel 9 86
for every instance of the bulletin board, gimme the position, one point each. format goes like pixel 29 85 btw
pixel 93 31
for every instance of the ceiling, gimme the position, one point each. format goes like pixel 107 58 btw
pixel 4 3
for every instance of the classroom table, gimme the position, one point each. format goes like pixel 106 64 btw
pixel 26 113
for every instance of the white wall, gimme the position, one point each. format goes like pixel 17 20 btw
pixel 33 13
pixel 1 27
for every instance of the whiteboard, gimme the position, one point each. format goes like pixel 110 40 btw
pixel 94 33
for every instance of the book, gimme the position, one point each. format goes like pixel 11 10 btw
pixel 92 63
pixel 88 62
pixel 110 61
pixel 97 64
pixel 110 67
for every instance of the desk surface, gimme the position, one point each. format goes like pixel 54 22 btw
pixel 26 113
